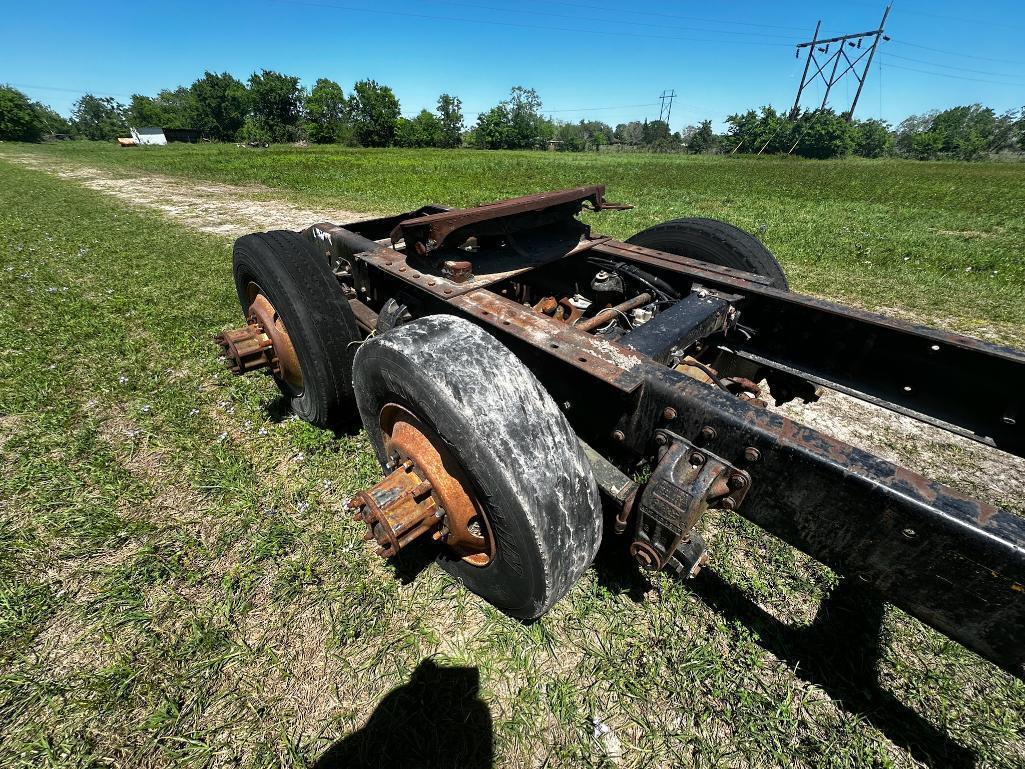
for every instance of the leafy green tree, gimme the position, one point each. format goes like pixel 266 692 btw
pixel 824 134
pixel 450 112
pixel 425 130
pixel 527 128
pixel 221 105
pixel 276 101
pixel 325 112
pixel 53 123
pixel 145 111
pixel 254 131
pixel 493 129
pixel 373 110
pixel 927 145
pixel 596 133
pixel 630 133
pixel 179 108
pixel 656 131
pixel 874 139
pixel 169 109
pixel 19 122
pixel 99 118
pixel 572 136
pixel 702 139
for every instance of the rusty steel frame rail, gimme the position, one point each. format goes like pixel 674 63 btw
pixel 961 384
pixel 954 562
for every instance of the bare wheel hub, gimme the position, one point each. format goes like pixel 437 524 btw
pixel 427 492
pixel 262 344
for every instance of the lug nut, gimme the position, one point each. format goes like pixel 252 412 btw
pixel 737 482
pixel 618 436
pixel 751 454
pixel 728 503
pixel 707 433
pixel 669 413
pixel 661 439
pixel 697 459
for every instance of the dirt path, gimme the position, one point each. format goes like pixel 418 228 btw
pixel 231 210
pixel 223 209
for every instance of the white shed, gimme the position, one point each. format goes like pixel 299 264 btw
pixel 151 135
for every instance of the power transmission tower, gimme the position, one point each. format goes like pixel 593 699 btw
pixel 823 61
pixel 666 109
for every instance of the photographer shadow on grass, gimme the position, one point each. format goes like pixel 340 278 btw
pixel 435 720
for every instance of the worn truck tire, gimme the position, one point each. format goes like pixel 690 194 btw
pixel 316 314
pixel 715 242
pixel 525 463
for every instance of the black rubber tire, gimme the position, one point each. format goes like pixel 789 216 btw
pixel 715 242
pixel 526 464
pixel 316 314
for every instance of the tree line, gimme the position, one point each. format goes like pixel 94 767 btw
pixel 274 107
pixel 970 132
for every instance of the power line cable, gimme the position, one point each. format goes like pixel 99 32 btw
pixel 948 17
pixel 962 54
pixel 579 18
pixel 956 77
pixel 490 22
pixel 951 66
pixel 635 12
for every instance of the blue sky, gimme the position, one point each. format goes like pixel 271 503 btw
pixel 599 59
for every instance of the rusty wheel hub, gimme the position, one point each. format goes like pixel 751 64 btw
pixel 426 492
pixel 262 344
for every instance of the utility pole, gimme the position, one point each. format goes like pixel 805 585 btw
pixel 823 61
pixel 666 110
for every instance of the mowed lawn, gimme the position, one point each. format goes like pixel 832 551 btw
pixel 178 586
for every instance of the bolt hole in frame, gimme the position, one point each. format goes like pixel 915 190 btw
pixel 684 370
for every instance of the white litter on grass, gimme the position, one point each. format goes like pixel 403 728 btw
pixel 607 739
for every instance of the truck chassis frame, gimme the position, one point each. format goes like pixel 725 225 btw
pixel 954 562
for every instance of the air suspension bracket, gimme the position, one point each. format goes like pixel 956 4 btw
pixel 687 481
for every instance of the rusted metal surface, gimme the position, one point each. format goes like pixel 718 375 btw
pixel 366 318
pixel 601 358
pixel 246 349
pixel 955 562
pixel 457 270
pixel 427 493
pixel 262 344
pixel 429 233
pixel 397 510
pixel 605 315
pixel 687 481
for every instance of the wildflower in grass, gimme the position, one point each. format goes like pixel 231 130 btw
pixel 145 409
pixel 222 437
pixel 122 379
pixel 302 507
pixel 262 431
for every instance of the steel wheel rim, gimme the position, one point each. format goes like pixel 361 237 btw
pixel 467 530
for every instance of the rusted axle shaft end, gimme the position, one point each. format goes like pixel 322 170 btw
pixel 397 510
pixel 247 349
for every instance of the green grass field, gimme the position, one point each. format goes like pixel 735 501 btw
pixel 940 240
pixel 178 587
